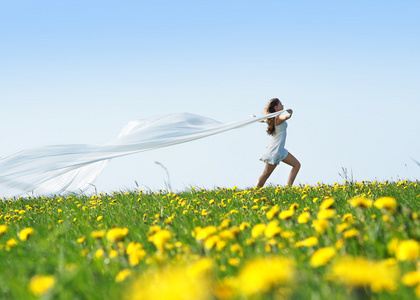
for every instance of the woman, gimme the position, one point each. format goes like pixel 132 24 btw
pixel 275 151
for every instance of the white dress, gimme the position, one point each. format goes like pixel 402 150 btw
pixel 275 151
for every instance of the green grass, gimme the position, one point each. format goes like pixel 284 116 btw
pixel 58 222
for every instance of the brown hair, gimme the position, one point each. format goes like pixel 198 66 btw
pixel 271 122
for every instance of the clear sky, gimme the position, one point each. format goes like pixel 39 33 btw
pixel 78 71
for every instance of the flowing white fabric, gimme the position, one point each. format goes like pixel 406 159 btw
pixel 73 168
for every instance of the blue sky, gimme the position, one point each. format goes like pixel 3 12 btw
pixel 78 71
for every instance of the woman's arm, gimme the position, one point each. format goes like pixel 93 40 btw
pixel 261 121
pixel 283 117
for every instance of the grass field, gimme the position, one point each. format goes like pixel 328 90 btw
pixel 341 241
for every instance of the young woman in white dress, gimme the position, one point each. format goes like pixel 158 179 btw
pixel 275 151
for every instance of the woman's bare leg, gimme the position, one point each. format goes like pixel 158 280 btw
pixel 292 161
pixel 269 168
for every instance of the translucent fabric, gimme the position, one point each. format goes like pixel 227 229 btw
pixel 73 168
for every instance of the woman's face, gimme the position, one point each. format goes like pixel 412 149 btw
pixel 279 106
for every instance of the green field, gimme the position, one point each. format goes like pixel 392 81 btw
pixel 341 241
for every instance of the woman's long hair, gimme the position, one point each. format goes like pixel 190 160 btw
pixel 268 110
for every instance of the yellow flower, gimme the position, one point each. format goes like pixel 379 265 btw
pixel 408 250
pixel 81 240
pixel 25 233
pixel 326 214
pixel 286 214
pixel 387 203
pixel 99 253
pixel 309 242
pixel 122 275
pixel 348 217
pixel 205 232
pixel 327 203
pixel 319 225
pixel 360 201
pixel 98 234
pixel 160 239
pixel 113 253
pixel 322 256
pixel 263 274
pixel 411 278
pixel 350 233
pixel 39 284
pixel 211 241
pixel 99 218
pixel 12 242
pixel 360 272
pixel 304 217
pixel 272 212
pixel 234 261
pixel 258 230
pixel 187 283
pixel 272 229
pixel 3 229
pixel 116 234
pixel 244 225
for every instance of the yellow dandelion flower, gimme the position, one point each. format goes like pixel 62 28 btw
pixel 258 230
pixel 116 234
pixel 326 214
pixel 97 234
pixel 386 203
pixel 160 239
pixel 360 201
pixel 407 250
pixel 308 242
pixel 350 233
pixel 244 225
pixel 260 275
pixel 319 225
pixel 411 278
pixel 40 284
pixel 272 229
pixel 227 234
pixel 304 217
pixel 205 232
pixel 348 218
pixel 187 283
pixel 99 253
pixel 3 229
pixel 286 214
pixel 12 242
pixel 327 203
pixel 339 243
pixel 211 241
pixel 272 212
pixel 122 275
pixel 113 253
pixel 360 272
pixel 322 256
pixel 234 261
pixel 99 218
pixel 25 233
pixel 81 240
pixel 294 206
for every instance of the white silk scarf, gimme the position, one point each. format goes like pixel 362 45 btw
pixel 61 169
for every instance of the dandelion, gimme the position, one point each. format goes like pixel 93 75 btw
pixel 360 272
pixel 272 212
pixel 160 239
pixel 81 240
pixel 260 275
pixel 12 242
pixel 211 241
pixel 116 234
pixel 309 242
pixel 304 217
pixel 322 256
pixel 360 201
pixel 122 275
pixel 327 203
pixel 99 218
pixel 234 261
pixel 286 214
pixel 407 250
pixel 326 214
pixel 272 229
pixel 258 230
pixel 97 234
pixel 25 233
pixel 205 233
pixel 350 233
pixel 3 229
pixel 99 253
pixel 319 225
pixel 411 278
pixel 386 203
pixel 40 284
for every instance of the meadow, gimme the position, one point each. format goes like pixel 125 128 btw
pixel 341 241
